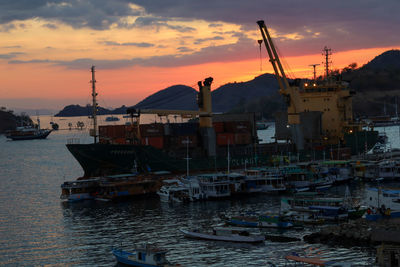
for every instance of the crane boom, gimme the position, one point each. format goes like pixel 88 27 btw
pixel 274 58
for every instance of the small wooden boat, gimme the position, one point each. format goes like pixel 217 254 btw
pixel 148 255
pixel 317 261
pixel 229 234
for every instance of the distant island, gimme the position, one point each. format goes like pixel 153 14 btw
pixel 376 84
pixel 77 110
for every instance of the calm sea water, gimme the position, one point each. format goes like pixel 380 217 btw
pixel 38 229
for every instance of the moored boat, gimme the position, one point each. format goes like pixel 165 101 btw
pixel 229 234
pixel 261 221
pixel 147 255
pixel 382 203
pixel 28 133
pixel 173 190
pixel 79 190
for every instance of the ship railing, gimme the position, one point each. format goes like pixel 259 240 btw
pixel 72 141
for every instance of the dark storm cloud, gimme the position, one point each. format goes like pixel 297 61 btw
pixel 96 14
pixel 342 24
pixel 111 43
pixel 223 53
pixel 158 22
pixel 50 26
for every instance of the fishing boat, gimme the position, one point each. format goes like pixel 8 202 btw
pixel 316 261
pixel 339 170
pixel 229 234
pixel 330 213
pixel 193 187
pixel 310 218
pixel 383 203
pixel 79 190
pixel 303 200
pixel 147 255
pixel 173 190
pixel 27 133
pixel 264 180
pixel 114 187
pixel 215 185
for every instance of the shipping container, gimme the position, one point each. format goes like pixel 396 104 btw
pixel 112 131
pixel 154 129
pixel 237 127
pixel 154 141
pixel 224 139
pixel 178 129
pixel 242 138
pixel 219 127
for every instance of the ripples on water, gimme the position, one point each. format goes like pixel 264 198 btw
pixel 37 229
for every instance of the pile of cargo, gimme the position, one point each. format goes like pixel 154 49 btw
pixel 233 133
pixel 175 135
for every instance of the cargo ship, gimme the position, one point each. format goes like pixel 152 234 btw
pixel 207 142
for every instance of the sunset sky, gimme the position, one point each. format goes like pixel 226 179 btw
pixel 142 46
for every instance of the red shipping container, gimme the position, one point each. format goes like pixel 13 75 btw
pixel 219 127
pixel 237 126
pixel 242 138
pixel 112 131
pixel 121 141
pixel 155 129
pixel 154 141
pixel 224 139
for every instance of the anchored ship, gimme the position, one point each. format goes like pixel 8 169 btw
pixel 207 142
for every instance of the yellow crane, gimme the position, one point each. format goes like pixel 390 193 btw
pixel 332 99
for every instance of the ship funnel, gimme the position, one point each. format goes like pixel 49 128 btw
pixel 204 102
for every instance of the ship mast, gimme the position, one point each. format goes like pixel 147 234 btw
pixel 94 104
pixel 315 71
pixel 327 53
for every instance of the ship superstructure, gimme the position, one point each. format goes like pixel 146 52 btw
pixel 318 113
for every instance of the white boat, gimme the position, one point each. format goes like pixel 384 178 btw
pixel 383 203
pixel 389 169
pixel 303 201
pixel 229 234
pixel 264 180
pixel 173 190
pixel 214 185
pixel 193 187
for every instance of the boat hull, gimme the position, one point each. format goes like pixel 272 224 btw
pixel 42 135
pixel 124 258
pixel 235 238
pixel 108 159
